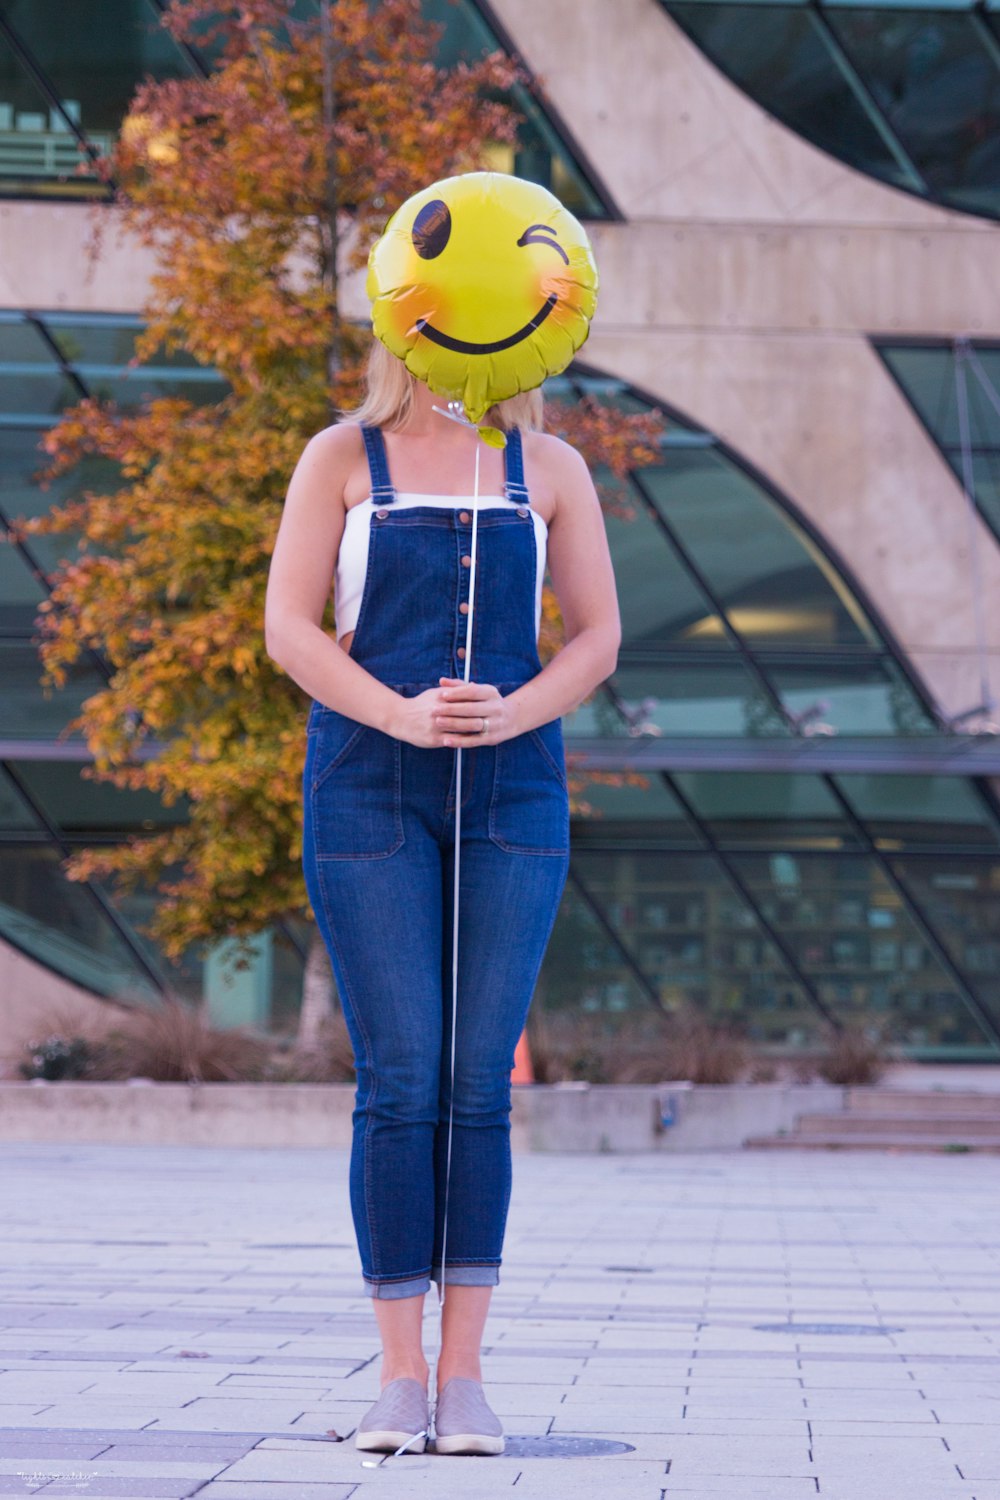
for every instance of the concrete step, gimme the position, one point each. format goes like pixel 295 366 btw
pixel 949 1102
pixel 950 1127
pixel 882 1140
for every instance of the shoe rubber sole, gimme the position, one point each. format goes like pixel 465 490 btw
pixel 469 1442
pixel 383 1438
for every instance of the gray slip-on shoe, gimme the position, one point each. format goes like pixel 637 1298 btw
pixel 463 1422
pixel 400 1411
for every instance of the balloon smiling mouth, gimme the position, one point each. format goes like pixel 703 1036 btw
pixel 463 346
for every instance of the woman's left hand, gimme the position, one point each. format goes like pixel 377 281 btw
pixel 469 704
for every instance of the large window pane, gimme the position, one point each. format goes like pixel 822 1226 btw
pixel 15 815
pixel 921 809
pixel 774 586
pixel 927 375
pixel 710 693
pixel 584 969
pixel 696 941
pixel 907 92
pixel 21 592
pixel 59 922
pixel 658 599
pixel 939 87
pixel 93 54
pixel 782 57
pixel 27 713
pixel 621 814
pixel 856 693
pixel 960 897
pixel 21 495
pixel 853 936
pixel 82 807
pixel 766 807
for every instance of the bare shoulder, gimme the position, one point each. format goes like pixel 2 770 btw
pixel 557 469
pixel 341 442
pixel 324 465
pixel 553 455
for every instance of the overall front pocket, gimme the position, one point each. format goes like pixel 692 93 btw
pixel 529 808
pixel 355 789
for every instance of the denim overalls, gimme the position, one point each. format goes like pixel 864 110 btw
pixel 378 858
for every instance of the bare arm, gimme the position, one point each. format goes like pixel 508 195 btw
pixel 584 583
pixel 301 577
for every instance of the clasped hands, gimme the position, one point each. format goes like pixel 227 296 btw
pixel 453 713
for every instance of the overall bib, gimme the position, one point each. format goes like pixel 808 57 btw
pixel 379 862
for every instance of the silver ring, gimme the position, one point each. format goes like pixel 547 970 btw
pixel 486 726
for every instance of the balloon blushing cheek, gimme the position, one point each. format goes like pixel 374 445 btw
pixel 415 302
pixel 572 296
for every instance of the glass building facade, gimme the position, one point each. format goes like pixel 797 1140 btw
pixel 905 90
pixel 799 839
pixel 863 882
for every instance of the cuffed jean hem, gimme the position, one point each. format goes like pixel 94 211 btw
pixel 415 1286
pixel 410 1288
pixel 482 1275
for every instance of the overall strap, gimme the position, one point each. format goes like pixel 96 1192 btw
pixel 383 491
pixel 513 460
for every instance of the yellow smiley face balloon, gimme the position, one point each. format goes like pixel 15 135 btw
pixel 483 284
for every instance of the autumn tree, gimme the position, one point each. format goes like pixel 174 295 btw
pixel 253 186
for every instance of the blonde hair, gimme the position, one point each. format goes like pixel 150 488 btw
pixel 388 398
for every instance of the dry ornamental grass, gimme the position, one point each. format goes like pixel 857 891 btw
pixel 175 1042
pixel 172 1042
pixel 646 1049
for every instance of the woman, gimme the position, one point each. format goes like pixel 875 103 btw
pixel 380 504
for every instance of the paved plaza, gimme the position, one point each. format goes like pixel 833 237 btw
pixel 190 1321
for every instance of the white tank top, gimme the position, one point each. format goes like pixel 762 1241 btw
pixel 352 558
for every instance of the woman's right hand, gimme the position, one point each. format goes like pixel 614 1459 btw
pixel 456 713
pixel 415 722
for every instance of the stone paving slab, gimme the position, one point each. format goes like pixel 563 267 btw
pixel 225 1490
pixel 121 1489
pixel 189 1321
pixel 164 1464
pixel 711 1487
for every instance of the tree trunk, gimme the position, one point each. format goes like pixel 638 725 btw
pixel 329 234
pixel 317 994
pixel 317 984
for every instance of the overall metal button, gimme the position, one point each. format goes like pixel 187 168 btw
pixel 381 514
pixel 522 510
pixel 463 608
pixel 466 562
pixel 461 651
pixel 463 515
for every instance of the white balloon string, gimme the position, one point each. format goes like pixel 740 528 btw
pixel 455 903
